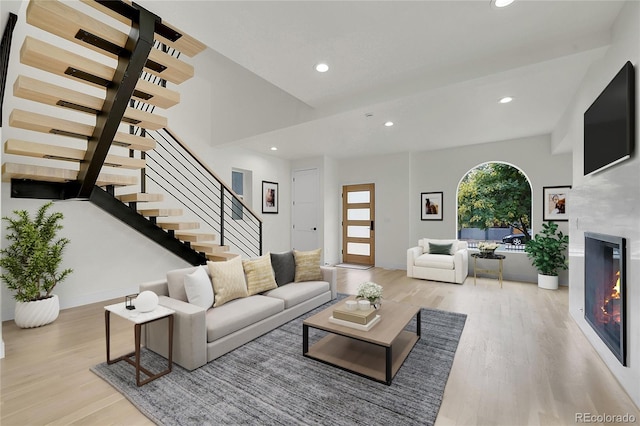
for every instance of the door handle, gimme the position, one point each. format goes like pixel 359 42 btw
pixel 372 227
pixel 314 229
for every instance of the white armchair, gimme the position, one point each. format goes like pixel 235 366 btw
pixel 439 260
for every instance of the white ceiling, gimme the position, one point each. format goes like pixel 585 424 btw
pixel 435 68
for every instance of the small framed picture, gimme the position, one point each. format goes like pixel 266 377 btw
pixel 269 197
pixel 431 206
pixel 555 203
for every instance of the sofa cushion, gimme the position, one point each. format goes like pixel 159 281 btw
pixel 240 313
pixel 439 261
pixel 284 267
pixel 175 282
pixel 259 274
pixel 295 293
pixel 228 280
pixel 199 288
pixel 440 248
pixel 307 265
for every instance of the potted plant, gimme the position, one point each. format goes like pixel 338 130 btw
pixel 30 265
pixel 547 251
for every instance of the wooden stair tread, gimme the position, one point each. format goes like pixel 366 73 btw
pixel 221 256
pixel 50 58
pixel 174 226
pixel 65 21
pixel 209 247
pixel 193 236
pixel 50 94
pixel 47 124
pixel 185 44
pixel 140 197
pixel 160 212
pixel 39 150
pixel 54 174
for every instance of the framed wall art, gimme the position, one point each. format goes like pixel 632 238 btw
pixel 431 206
pixel 555 203
pixel 269 197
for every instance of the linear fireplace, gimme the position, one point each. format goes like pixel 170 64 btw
pixel 605 290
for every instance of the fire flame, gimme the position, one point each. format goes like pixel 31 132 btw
pixel 611 309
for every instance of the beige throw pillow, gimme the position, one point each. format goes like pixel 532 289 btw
pixel 307 265
pixel 228 281
pixel 259 274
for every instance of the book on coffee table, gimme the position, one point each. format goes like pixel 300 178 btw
pixel 356 316
pixel 350 324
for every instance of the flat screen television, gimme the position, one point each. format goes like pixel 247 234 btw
pixel 609 123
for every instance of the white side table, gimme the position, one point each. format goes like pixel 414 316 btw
pixel 139 319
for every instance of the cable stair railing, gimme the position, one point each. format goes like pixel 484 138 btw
pixel 102 153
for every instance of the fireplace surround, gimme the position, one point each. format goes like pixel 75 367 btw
pixel 605 291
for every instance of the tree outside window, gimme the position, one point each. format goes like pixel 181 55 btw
pixel 495 195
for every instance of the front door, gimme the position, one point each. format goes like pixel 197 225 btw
pixel 358 224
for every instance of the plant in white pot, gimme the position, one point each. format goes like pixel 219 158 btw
pixel 30 265
pixel 547 251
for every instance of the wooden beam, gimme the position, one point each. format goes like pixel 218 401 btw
pixel 47 124
pixel 50 58
pixel 185 44
pixel 69 23
pixel 52 152
pixel 51 94
pixel 53 174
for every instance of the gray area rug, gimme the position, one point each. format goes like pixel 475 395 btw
pixel 269 382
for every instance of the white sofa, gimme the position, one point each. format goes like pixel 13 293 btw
pixel 452 267
pixel 202 335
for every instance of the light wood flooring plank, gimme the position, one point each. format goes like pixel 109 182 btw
pixel 521 360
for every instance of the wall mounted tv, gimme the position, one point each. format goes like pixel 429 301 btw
pixel 609 123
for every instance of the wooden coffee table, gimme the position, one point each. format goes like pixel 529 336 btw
pixel 376 354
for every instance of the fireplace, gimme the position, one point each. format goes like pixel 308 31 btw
pixel 604 295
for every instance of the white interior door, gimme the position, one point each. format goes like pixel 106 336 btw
pixel 305 209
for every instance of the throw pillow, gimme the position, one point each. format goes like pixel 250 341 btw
pixel 228 281
pixel 440 248
pixel 259 274
pixel 175 282
pixel 307 265
pixel 199 289
pixel 284 267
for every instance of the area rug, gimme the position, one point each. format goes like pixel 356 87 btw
pixel 354 266
pixel 268 381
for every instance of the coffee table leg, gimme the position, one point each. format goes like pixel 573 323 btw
pixel 138 328
pixel 107 321
pixel 305 339
pixel 388 360
pixel 419 323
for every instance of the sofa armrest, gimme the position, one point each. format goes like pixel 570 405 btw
pixel 330 274
pixel 189 334
pixel 461 260
pixel 159 287
pixel 412 254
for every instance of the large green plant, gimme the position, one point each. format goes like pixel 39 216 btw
pixel 30 263
pixel 547 249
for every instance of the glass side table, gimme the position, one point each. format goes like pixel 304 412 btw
pixel 493 256
pixel 138 319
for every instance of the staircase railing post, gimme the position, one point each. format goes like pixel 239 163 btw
pixel 221 215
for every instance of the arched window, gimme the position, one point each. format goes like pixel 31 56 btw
pixel 494 202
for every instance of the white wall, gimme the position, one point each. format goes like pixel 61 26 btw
pixel 609 201
pixel 401 178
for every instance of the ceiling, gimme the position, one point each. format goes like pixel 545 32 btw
pixel 435 68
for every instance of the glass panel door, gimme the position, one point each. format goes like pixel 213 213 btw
pixel 358 230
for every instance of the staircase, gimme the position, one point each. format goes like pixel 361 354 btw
pixel 100 138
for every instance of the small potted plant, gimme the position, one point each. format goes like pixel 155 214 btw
pixel 547 251
pixel 370 291
pixel 487 248
pixel 30 265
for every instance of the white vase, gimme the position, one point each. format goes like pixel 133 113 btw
pixel 37 313
pixel 548 282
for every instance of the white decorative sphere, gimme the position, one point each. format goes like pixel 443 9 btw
pixel 146 301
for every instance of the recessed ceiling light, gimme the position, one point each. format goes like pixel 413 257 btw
pixel 501 3
pixel 389 123
pixel 274 148
pixel 506 100
pixel 322 67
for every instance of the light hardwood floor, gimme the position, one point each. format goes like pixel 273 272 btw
pixel 521 360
